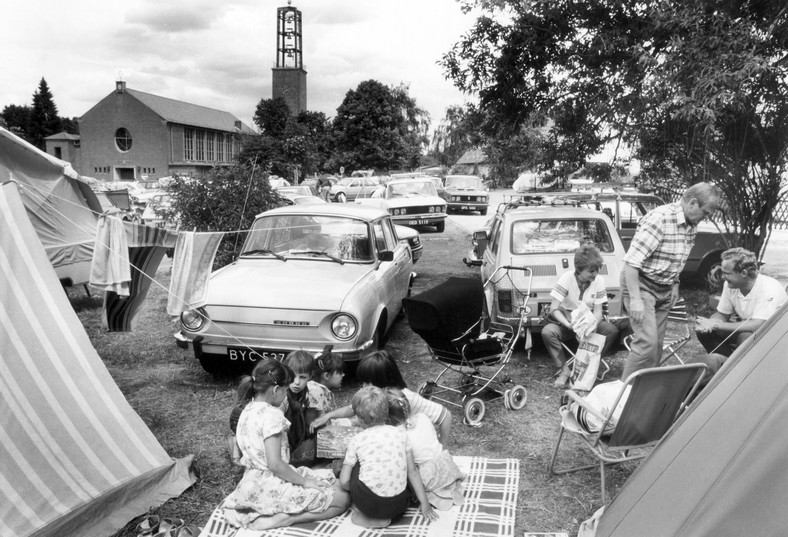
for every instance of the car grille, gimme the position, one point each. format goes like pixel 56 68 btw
pixel 468 199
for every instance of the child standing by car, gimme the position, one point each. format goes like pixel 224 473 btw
pixel 380 369
pixel 272 493
pixel 439 473
pixel 298 411
pixel 377 467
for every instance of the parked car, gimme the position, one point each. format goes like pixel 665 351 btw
pixel 544 238
pixel 466 193
pixel 306 277
pixel 351 188
pixel 626 207
pixel 411 237
pixel 152 215
pixel 411 202
pixel 299 194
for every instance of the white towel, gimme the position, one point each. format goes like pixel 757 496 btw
pixel 109 268
pixel 191 268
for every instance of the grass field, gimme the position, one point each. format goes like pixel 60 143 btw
pixel 188 410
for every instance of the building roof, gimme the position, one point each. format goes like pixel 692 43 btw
pixel 472 156
pixel 189 114
pixel 62 136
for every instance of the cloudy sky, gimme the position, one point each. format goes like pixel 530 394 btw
pixel 220 53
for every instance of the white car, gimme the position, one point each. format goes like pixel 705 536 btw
pixel 411 202
pixel 307 276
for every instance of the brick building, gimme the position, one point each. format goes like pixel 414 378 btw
pixel 130 134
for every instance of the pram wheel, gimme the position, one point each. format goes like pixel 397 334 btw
pixel 516 398
pixel 426 389
pixel 474 410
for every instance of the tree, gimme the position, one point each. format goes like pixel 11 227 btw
pixel 698 87
pixel 455 134
pixel 272 116
pixel 18 120
pixel 378 127
pixel 227 199
pixel 44 120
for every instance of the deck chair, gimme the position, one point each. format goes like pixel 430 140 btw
pixel 652 400
pixel 679 319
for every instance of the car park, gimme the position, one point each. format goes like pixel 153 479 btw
pixel 328 274
pixel 351 188
pixel 411 237
pixel 543 238
pixel 466 193
pixel 153 214
pixel 626 207
pixel 411 202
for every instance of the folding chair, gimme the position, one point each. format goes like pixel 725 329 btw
pixel 656 397
pixel 671 346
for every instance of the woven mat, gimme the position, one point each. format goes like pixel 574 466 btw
pixel 489 508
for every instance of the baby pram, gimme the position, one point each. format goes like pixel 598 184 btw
pixel 452 319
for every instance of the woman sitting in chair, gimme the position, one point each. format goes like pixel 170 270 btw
pixel 583 285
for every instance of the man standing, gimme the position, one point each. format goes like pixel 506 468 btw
pixel 324 187
pixel 751 296
pixel 650 276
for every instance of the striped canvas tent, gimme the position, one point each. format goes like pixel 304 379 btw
pixel 75 459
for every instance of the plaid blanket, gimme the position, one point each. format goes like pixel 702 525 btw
pixel 488 510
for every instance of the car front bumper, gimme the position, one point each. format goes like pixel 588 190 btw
pixel 428 219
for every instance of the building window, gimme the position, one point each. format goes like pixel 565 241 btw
pixel 123 139
pixel 220 146
pixel 58 153
pixel 199 146
pixel 209 145
pixel 188 144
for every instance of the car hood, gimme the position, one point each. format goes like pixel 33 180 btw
pixel 468 190
pixel 271 283
pixel 416 200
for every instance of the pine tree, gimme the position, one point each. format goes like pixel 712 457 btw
pixel 44 120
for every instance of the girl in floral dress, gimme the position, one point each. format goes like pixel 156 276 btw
pixel 272 493
pixel 441 477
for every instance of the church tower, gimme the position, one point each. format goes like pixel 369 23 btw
pixel 289 76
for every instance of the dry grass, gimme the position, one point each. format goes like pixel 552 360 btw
pixel 187 409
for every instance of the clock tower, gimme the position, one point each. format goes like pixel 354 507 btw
pixel 289 76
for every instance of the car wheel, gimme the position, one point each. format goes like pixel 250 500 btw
pixel 426 389
pixel 341 197
pixel 711 274
pixel 379 337
pixel 440 226
pixel 474 410
pixel 483 212
pixel 216 365
pixel 516 397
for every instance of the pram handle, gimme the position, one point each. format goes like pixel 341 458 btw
pixel 512 267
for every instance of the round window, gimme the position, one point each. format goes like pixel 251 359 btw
pixel 123 139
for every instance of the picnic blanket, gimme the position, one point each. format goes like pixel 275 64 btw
pixel 489 508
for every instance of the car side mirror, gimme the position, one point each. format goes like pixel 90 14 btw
pixel 386 255
pixel 480 235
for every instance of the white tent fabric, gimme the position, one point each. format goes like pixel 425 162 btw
pixel 59 203
pixel 75 459
pixel 722 469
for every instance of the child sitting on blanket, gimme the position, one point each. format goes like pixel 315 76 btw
pixel 298 411
pixel 439 473
pixel 379 369
pixel 378 467
pixel 272 493
pixel 327 376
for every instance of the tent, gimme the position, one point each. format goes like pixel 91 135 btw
pixel 75 459
pixel 721 470
pixel 59 203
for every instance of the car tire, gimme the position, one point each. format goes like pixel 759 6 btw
pixel 216 365
pixel 440 226
pixel 341 197
pixel 710 274
pixel 483 212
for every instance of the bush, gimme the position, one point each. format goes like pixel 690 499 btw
pixel 227 199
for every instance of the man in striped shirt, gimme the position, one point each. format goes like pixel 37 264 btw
pixel 650 276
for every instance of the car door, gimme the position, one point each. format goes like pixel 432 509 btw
pixel 490 259
pixel 393 276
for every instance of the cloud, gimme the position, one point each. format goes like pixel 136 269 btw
pixel 176 17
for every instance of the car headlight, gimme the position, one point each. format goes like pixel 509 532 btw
pixel 455 198
pixel 431 209
pixel 344 326
pixel 483 198
pixel 193 320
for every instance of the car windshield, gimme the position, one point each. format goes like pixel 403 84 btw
pixel 464 182
pixel 305 236
pixel 542 236
pixel 410 189
pixel 346 181
pixel 301 190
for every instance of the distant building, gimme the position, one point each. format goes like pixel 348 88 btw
pixel 64 146
pixel 130 134
pixel 473 162
pixel 288 77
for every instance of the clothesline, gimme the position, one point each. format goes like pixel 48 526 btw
pixel 122 255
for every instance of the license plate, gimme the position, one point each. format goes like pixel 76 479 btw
pixel 418 222
pixel 465 208
pixel 243 354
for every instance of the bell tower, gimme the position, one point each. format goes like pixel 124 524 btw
pixel 289 76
